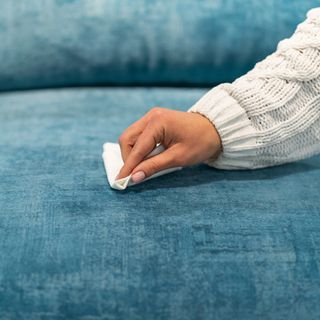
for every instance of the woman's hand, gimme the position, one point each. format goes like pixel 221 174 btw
pixel 189 138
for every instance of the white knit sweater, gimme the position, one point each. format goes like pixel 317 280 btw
pixel 271 115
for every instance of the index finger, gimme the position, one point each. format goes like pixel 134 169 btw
pixel 129 136
pixel 145 143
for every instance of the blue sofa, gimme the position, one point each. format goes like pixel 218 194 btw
pixel 199 243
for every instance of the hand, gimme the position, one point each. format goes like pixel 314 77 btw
pixel 189 138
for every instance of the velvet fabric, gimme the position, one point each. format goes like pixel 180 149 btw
pixel 89 42
pixel 198 243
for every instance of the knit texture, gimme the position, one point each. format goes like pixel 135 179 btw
pixel 271 115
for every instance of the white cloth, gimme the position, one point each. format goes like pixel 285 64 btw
pixel 113 163
pixel 271 115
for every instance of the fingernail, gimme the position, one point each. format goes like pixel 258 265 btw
pixel 138 176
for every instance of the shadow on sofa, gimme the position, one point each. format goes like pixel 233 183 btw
pixel 203 174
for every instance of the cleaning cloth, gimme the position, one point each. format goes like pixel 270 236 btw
pixel 113 163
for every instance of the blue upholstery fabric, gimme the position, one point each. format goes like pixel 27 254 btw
pixel 195 244
pixel 84 42
pixel 199 243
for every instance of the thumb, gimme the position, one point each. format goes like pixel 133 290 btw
pixel 167 159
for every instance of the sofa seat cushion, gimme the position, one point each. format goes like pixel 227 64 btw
pixel 198 243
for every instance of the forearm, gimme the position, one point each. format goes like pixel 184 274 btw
pixel 271 115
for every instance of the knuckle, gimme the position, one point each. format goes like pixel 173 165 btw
pixel 137 153
pixel 123 138
pixel 153 166
pixel 179 159
pixel 176 162
pixel 159 115
pixel 171 159
pixel 157 111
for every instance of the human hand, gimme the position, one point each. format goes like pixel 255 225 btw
pixel 189 138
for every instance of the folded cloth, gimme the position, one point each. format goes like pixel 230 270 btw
pixel 113 163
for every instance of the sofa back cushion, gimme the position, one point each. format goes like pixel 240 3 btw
pixel 57 43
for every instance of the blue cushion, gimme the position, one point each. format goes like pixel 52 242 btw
pixel 199 243
pixel 83 42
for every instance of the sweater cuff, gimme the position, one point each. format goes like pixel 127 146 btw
pixel 238 136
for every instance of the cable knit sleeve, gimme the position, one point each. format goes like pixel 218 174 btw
pixel 271 115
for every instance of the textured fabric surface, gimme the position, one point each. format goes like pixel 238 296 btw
pixel 271 115
pixel 77 42
pixel 199 243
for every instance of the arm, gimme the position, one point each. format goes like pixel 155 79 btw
pixel 271 115
pixel 267 117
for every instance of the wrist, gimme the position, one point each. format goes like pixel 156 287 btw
pixel 237 135
pixel 210 137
